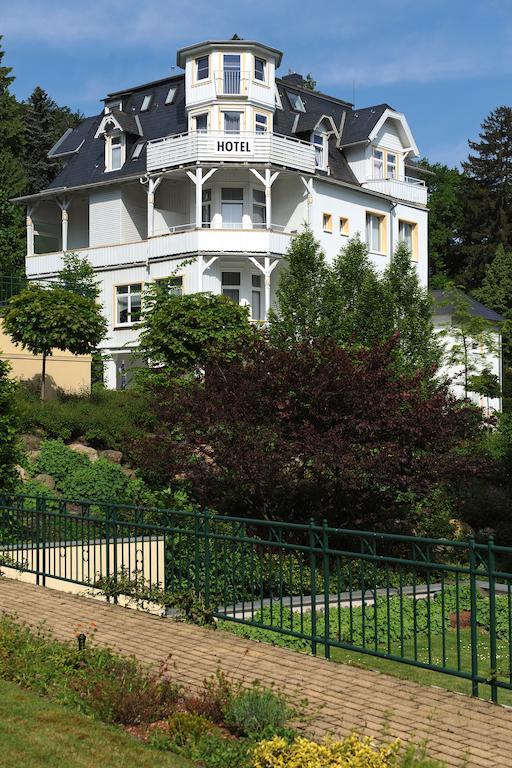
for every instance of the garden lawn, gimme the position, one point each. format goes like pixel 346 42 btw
pixel 36 733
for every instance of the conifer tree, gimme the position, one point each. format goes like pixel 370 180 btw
pixel 496 290
pixel 487 194
pixel 12 179
pixel 300 294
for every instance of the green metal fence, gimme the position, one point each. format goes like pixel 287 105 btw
pixel 439 605
pixel 11 285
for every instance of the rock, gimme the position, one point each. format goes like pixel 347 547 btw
pixel 461 619
pixel 46 480
pixel 115 457
pixel 91 453
pixel 33 455
pixel 31 442
pixel 128 471
pixel 461 530
pixel 21 472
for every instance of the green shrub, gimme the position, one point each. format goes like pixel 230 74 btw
pixel 256 711
pixel 59 461
pixel 10 454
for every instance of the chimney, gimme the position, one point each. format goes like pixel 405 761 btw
pixel 294 79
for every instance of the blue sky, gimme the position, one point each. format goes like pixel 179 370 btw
pixel 445 64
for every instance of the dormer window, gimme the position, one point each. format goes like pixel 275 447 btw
pixel 171 93
pixel 202 68
pixel 259 69
pixel 296 102
pixel 146 102
pixel 391 165
pixel 378 163
pixel 319 144
pixel 116 149
pixel 111 105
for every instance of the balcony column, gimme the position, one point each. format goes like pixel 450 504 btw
pixel 109 372
pixel 267 268
pixel 30 232
pixel 64 218
pixel 153 185
pixel 308 183
pixel 198 179
pixel 267 182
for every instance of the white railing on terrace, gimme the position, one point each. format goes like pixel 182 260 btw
pixel 405 188
pixel 221 147
pixel 231 82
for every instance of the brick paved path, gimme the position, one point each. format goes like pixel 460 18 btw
pixel 459 730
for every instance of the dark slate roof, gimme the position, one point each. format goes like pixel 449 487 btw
pixel 360 123
pixel 73 138
pixel 443 306
pixel 86 166
pixel 127 122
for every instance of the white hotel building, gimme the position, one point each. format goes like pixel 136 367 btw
pixel 207 175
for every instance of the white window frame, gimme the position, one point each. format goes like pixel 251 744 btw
pixel 260 122
pixel 257 290
pixel 231 286
pixel 370 215
pixel 128 294
pixel 171 93
pixel 296 102
pixel 393 165
pixel 197 70
pixel 108 151
pixel 232 112
pixel 261 206
pixel 264 62
pixel 378 163
pixel 115 104
pixel 240 203
pixel 195 119
pixel 146 102
pixel 206 208
pixel 318 141
pixel 413 226
pixel 137 150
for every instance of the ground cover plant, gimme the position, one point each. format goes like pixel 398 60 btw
pixel 225 724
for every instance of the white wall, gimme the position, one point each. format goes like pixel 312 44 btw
pixel 78 223
pixel 134 214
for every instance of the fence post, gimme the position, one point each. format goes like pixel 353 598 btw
pixel 38 538
pixel 312 566
pixel 107 547
pixel 114 551
pixel 42 509
pixel 197 553
pixel 325 556
pixel 491 565
pixel 474 617
pixel 206 559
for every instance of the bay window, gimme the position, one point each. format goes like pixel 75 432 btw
pixel 206 217
pixel 201 122
pixel 202 68
pixel 232 207
pixel 259 69
pixel 231 286
pixel 232 122
pixel 261 122
pixel 256 313
pixel 128 303
pixel 259 208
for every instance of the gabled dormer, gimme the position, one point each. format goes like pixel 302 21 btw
pixel 119 131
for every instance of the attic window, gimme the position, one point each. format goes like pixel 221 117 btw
pixel 296 101
pixel 137 150
pixel 146 102
pixel 171 93
pixel 111 105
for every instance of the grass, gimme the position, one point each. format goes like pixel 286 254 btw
pixel 427 677
pixel 40 734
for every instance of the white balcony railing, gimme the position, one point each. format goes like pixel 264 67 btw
pixel 182 240
pixel 405 188
pixel 221 147
pixel 232 82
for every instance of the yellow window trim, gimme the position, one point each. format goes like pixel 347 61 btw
pixel 327 223
pixel 383 230
pixel 414 225
pixel 344 225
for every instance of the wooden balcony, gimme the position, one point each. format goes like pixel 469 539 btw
pixel 212 147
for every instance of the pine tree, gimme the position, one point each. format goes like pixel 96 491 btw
pixel 496 290
pixel 300 294
pixel 487 195
pixel 411 310
pixel 45 123
pixel 12 179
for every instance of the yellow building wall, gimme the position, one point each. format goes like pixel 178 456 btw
pixel 70 373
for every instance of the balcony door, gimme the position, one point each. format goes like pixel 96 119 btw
pixel 232 207
pixel 232 122
pixel 231 73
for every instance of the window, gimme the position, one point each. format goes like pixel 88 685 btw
pixel 378 164
pixel 172 285
pixel 232 122
pixel 318 141
pixel 374 234
pixel 259 69
pixel 137 150
pixel 146 102
pixel 201 122
pixel 407 235
pixel 296 102
pixel 343 226
pixel 206 217
pixel 259 208
pixel 202 68
pixel 171 93
pixel 256 297
pixel 261 122
pixel 111 105
pixel 231 286
pixel 232 207
pixel 128 303
pixel 390 165
pixel 114 149
pixel 231 73
pixel 327 223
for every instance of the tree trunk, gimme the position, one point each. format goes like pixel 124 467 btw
pixel 43 376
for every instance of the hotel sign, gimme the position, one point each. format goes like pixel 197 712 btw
pixel 226 146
